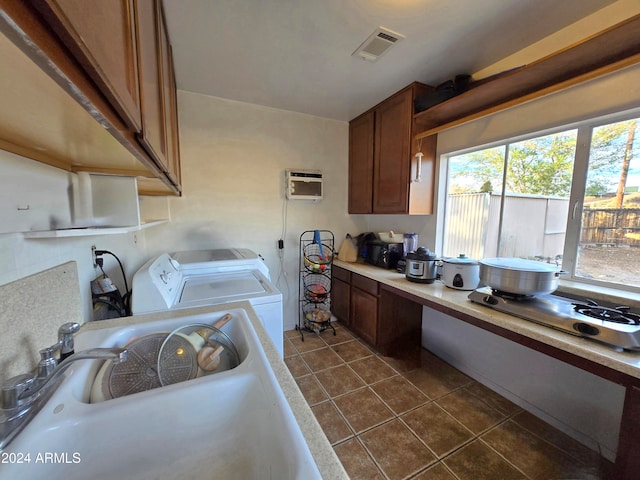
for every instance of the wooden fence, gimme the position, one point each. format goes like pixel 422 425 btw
pixel 602 226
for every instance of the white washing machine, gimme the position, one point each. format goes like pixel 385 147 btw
pixel 209 277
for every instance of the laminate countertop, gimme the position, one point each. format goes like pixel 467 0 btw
pixel 455 302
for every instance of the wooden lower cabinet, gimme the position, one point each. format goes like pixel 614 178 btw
pixel 385 320
pixel 399 324
pixel 364 315
pixel 340 299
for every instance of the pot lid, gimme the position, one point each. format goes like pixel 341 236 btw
pixel 519 264
pixel 421 253
pixel 461 259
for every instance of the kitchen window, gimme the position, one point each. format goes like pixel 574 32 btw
pixel 569 197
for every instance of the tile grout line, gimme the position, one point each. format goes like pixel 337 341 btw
pixel 354 435
pixel 505 459
pixel 395 416
pixel 507 415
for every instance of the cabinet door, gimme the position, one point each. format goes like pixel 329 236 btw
pixel 399 324
pixel 364 315
pixel 152 54
pixel 159 134
pixel 391 156
pixel 340 298
pixel 361 163
pixel 170 106
pixel 101 37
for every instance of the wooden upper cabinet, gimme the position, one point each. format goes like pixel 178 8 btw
pixel 170 102
pixel 392 154
pixel 361 132
pixel 159 134
pixel 151 93
pixel 105 67
pixel 382 166
pixel 101 37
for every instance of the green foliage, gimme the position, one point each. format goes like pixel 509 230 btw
pixel 486 187
pixel 541 166
pixel 544 165
pixel 596 189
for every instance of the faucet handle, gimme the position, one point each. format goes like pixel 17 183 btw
pixel 68 328
pixel 47 363
pixel 65 338
pixel 14 387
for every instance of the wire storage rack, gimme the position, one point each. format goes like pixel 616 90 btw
pixel 314 295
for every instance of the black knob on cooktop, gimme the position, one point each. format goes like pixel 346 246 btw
pixel 491 300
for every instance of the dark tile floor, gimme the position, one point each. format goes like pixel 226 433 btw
pixel 420 418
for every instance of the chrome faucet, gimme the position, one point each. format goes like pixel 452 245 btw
pixel 23 396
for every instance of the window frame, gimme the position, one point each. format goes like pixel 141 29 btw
pixel 576 197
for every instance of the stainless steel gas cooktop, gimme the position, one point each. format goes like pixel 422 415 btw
pixel 616 326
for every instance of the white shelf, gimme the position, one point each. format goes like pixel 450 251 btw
pixel 84 232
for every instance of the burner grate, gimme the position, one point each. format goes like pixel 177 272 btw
pixel 620 315
pixel 511 296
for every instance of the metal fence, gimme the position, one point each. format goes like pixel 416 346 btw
pixel 532 226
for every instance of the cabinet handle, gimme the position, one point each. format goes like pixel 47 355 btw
pixel 418 178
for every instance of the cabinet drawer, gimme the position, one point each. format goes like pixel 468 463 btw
pixel 365 284
pixel 342 274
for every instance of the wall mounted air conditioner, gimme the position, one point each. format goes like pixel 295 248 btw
pixel 303 184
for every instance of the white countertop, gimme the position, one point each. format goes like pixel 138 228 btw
pixel 437 293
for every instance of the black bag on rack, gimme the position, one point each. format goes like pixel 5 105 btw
pixel 444 91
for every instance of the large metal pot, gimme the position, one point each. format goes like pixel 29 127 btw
pixel 518 276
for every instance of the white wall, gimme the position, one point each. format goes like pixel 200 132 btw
pixel 43 194
pixel 234 157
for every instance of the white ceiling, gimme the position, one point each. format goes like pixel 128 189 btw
pixel 296 54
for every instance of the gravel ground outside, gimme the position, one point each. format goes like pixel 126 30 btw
pixel 611 264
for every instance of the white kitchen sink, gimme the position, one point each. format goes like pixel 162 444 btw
pixel 233 425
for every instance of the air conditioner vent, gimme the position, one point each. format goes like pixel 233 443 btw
pixel 384 36
pixel 377 43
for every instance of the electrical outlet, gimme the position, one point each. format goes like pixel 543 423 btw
pixel 93 256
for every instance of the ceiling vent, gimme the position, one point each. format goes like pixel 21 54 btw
pixel 378 42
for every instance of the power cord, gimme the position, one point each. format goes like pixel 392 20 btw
pixel 127 295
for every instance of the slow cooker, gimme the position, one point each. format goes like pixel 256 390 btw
pixel 461 272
